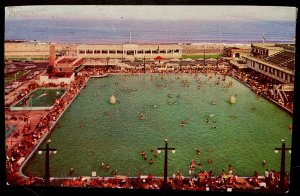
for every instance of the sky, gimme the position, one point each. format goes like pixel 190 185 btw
pixel 272 13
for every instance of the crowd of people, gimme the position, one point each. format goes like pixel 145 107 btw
pixel 258 84
pixel 203 181
pixel 263 87
pixel 29 137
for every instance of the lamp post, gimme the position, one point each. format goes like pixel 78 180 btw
pixel 144 64
pixel 166 161
pixel 107 60
pixel 282 165
pixel 204 55
pixel 67 52
pixel 47 163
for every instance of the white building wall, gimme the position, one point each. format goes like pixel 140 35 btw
pixel 129 51
pixel 253 64
pixel 45 79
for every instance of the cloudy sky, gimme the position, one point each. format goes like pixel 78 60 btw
pixel 273 13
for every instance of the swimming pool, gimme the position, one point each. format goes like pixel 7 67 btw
pixel 192 112
pixel 39 99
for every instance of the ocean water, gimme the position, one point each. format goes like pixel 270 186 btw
pixel 149 31
pixel 93 131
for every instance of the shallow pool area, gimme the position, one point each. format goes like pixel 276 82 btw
pixel 192 112
pixel 39 99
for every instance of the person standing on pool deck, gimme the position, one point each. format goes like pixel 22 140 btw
pixel 230 170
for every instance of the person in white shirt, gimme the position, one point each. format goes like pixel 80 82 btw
pixel 267 173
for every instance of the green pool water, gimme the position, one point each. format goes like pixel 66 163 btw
pixel 41 98
pixel 94 131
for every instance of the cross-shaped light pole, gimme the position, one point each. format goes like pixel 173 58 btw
pixel 107 60
pixel 47 163
pixel 144 64
pixel 282 165
pixel 166 161
pixel 204 55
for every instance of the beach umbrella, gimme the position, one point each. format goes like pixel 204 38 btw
pixel 188 59
pixel 175 60
pixel 158 58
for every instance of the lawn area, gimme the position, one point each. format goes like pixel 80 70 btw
pixel 12 77
pixel 197 56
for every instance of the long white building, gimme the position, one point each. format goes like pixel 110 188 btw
pixel 274 62
pixel 129 51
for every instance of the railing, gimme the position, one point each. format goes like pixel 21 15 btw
pixel 14 108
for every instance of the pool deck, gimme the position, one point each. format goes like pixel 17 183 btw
pixel 34 119
pixel 99 76
pixel 289 111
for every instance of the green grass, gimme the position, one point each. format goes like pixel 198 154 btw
pixel 197 56
pixel 12 77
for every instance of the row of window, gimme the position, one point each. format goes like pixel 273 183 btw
pixel 273 71
pixel 128 52
pixel 259 51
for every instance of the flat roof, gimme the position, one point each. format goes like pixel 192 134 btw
pixel 78 63
pixel 128 46
pixel 67 60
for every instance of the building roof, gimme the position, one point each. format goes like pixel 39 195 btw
pixel 79 62
pixel 230 48
pixel 270 46
pixel 283 59
pixel 129 46
pixel 67 60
